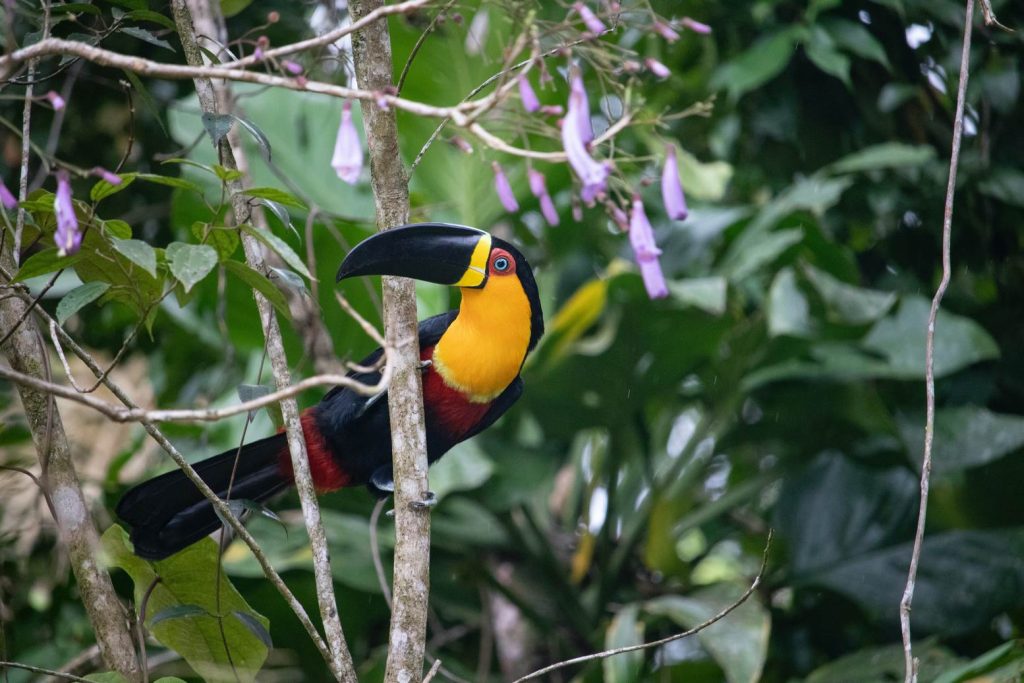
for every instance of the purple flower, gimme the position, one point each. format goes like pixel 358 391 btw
pixel 593 174
pixel 539 188
pixel 504 188
pixel 695 26
pixel 461 144
pixel 8 200
pixel 619 216
pixel 109 176
pixel 577 210
pixel 672 187
pixel 257 54
pixel 641 238
pixel 527 95
pixel 665 31
pixel 579 107
pixel 590 20
pixel 55 100
pixel 68 237
pixel 552 110
pixel 657 68
pixel 292 67
pixel 347 161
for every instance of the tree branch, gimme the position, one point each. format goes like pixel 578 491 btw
pixel 910 663
pixel 654 643
pixel 372 57
pixel 215 98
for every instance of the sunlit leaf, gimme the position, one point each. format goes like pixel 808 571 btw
pixel 190 263
pixel 259 283
pixel 138 252
pixel 967 436
pixel 279 246
pixel 788 312
pixel 45 261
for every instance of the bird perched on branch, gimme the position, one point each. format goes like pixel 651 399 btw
pixel 471 359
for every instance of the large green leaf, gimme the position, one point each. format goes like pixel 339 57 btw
pixel 847 303
pixel 965 437
pixel 738 642
pixel 190 578
pixel 900 338
pixel 190 263
pixel 764 60
pixel 138 252
pixel 885 664
pixel 788 312
pixel 884 155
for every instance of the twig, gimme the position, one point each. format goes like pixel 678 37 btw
pixel 41 670
pixel 419 43
pixel 195 17
pixel 910 663
pixel 378 565
pixel 654 643
pixel 122 414
pixel 433 671
pixel 990 16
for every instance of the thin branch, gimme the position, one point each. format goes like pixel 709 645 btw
pixel 194 17
pixel 419 43
pixel 122 414
pixel 41 670
pixel 433 671
pixel 990 16
pixel 654 643
pixel 910 663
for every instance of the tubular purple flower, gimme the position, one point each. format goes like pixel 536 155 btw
pixel 8 200
pixel 657 68
pixel 593 174
pixel 68 237
pixel 641 238
pixel 257 54
pixel 292 67
pixel 56 101
pixel 695 26
pixel 539 188
pixel 527 95
pixel 665 31
pixel 579 107
pixel 504 188
pixel 672 187
pixel 619 216
pixel 109 176
pixel 347 161
pixel 552 110
pixel 477 33
pixel 590 20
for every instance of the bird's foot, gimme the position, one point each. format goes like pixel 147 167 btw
pixel 428 501
pixel 424 364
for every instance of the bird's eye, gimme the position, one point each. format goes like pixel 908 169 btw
pixel 501 264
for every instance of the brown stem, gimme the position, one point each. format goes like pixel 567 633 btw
pixel 910 662
pixel 371 49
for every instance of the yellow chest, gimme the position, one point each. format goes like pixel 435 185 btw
pixel 482 351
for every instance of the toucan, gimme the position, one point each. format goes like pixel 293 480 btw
pixel 471 359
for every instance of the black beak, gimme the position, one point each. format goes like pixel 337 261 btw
pixel 432 252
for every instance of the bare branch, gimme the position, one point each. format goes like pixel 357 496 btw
pixel 654 643
pixel 203 16
pixel 41 670
pixel 910 663
pixel 990 16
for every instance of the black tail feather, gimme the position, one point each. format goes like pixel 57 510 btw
pixel 169 513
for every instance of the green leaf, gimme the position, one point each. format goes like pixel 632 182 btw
pixel 965 437
pixel 170 181
pixel 821 50
pixel 762 252
pixel 190 263
pixel 1005 184
pixel 255 626
pixel 117 228
pixel 788 312
pixel 107 677
pixel 705 293
pixel 102 189
pixel 190 578
pixel 885 664
pixel 846 303
pixel 626 629
pixel 222 238
pixel 145 36
pixel 45 261
pixel 138 252
pixel 230 8
pixel 259 283
pixel 217 126
pixel 739 642
pixel 78 298
pixel 900 338
pixel 854 37
pixel 1002 663
pixel 280 212
pixel 275 195
pixel 176 612
pixel 227 175
pixel 884 155
pixel 703 180
pixel 149 15
pixel 466 467
pixel 280 247
pixel 764 60
pixel 257 135
pixel 147 100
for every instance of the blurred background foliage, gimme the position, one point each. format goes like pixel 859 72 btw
pixel 629 494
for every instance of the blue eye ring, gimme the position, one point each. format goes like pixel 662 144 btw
pixel 501 264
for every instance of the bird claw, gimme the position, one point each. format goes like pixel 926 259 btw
pixel 424 364
pixel 429 500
